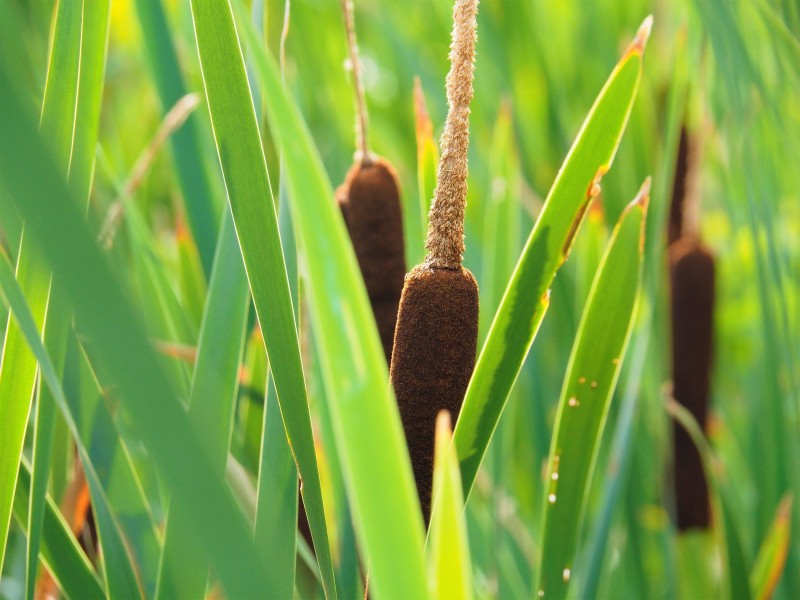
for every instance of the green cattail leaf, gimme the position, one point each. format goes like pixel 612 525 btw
pixel 211 406
pixel 771 559
pixel 111 332
pixel 245 172
pixel 591 377
pixel 92 19
pixel 527 295
pixel 726 528
pixel 18 365
pixel 449 565
pixel 366 423
pixel 190 166
pixel 59 550
pixel 121 581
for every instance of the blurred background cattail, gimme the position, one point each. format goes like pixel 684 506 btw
pixel 692 293
pixel 370 202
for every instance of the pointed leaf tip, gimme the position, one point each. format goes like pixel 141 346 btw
pixel 640 41
pixel 643 196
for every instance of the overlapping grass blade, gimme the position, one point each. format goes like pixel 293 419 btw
pixel 726 530
pixel 211 405
pixel 449 565
pixel 592 374
pixel 18 366
pixel 276 508
pixel 111 461
pixel 769 563
pixel 59 549
pixel 75 134
pixel 186 143
pixel 244 170
pixel 366 424
pixel 110 329
pixel 527 295
pixel 119 573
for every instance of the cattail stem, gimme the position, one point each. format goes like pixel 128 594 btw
pixel 362 155
pixel 445 241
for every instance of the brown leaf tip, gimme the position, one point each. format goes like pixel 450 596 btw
pixel 640 41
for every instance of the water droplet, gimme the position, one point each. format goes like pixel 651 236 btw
pixel 581 380
pixel 594 384
pixel 540 593
pixel 567 573
pixel 551 498
pixel 348 64
pixel 554 476
pixel 573 402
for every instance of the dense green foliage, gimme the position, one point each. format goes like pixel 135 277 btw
pixel 179 352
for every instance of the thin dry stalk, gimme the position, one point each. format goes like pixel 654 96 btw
pixel 174 119
pixel 362 154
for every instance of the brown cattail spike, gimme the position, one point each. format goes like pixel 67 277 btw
pixel 692 278
pixel 370 202
pixel 445 242
pixel 433 360
pixel 437 327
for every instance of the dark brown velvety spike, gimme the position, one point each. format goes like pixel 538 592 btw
pixel 692 275
pixel 370 202
pixel 434 356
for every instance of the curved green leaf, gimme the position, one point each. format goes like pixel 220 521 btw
pixel 244 170
pixel 366 423
pixel 527 295
pixel 592 374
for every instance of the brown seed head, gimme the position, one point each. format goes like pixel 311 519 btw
pixel 445 241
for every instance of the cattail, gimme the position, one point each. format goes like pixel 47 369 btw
pixel 692 300
pixel 370 203
pixel 437 325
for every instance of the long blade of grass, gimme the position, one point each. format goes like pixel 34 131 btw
pixel 366 423
pixel 59 549
pixel 771 559
pixel 110 458
pixel 449 566
pixel 276 511
pixel 18 366
pixel 186 142
pixel 119 573
pixel 592 374
pixel 112 333
pixel 527 295
pixel 211 405
pixel 93 20
pixel 244 170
